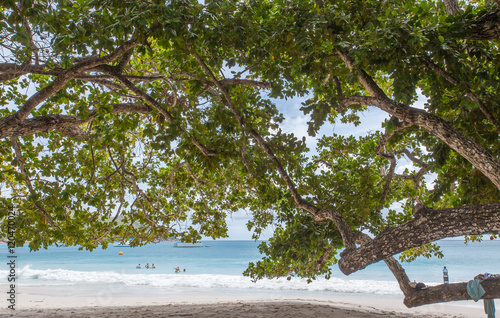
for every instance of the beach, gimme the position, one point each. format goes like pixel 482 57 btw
pixel 38 302
pixel 272 309
pixel 67 282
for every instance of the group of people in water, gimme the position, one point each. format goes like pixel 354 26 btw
pixel 177 269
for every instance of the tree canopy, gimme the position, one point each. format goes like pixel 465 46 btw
pixel 153 119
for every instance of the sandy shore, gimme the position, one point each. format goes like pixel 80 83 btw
pixel 35 302
pixel 270 309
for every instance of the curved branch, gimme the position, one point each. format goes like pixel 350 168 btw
pixel 61 80
pixel 420 174
pixel 65 124
pixel 428 225
pixel 391 157
pixel 450 292
pixel 488 164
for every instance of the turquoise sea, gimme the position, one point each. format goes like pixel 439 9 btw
pixel 219 268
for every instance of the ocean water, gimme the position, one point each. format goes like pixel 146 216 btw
pixel 220 266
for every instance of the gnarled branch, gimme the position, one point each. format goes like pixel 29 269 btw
pixel 65 124
pixel 428 225
pixel 450 292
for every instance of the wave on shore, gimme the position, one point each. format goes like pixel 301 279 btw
pixel 31 277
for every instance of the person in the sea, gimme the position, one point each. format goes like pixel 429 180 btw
pixel 138 266
pixel 147 265
pixel 177 269
pixel 153 266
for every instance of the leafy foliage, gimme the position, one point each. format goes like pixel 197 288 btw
pixel 167 136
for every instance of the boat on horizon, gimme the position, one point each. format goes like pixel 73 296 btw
pixel 121 244
pixel 182 244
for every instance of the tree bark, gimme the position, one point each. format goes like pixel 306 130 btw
pixel 485 28
pixel 451 6
pixel 63 123
pixel 429 225
pixel 450 292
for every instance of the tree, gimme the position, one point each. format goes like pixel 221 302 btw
pixel 119 120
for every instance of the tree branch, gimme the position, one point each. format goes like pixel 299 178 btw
pixel 65 124
pixel 391 157
pixel 427 226
pixel 318 214
pixel 465 146
pixel 62 79
pixel 450 292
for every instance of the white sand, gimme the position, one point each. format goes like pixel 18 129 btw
pixel 52 302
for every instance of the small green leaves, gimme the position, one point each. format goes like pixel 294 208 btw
pixel 150 143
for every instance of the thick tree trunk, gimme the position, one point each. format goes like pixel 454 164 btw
pixel 451 6
pixel 450 292
pixel 429 225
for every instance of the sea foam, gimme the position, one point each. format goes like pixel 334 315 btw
pixel 32 277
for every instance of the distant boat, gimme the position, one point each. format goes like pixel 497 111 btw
pixel 120 244
pixel 182 244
